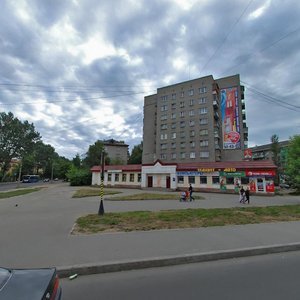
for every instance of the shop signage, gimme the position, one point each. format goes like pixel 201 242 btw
pixel 233 174
pixel 189 173
pixel 260 173
pixel 206 170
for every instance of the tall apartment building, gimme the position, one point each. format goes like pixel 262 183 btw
pixel 200 120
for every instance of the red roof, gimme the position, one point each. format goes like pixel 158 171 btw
pixel 253 164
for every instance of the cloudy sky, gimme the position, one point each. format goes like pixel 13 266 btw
pixel 79 69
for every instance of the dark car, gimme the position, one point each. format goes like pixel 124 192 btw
pixel 29 284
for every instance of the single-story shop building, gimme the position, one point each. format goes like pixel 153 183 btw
pixel 205 176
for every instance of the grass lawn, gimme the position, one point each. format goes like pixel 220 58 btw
pixel 184 218
pixel 91 192
pixel 14 193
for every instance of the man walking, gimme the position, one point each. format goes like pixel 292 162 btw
pixel 191 192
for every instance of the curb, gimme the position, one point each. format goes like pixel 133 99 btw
pixel 89 269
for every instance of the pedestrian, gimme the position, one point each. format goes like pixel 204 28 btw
pixel 191 193
pixel 247 194
pixel 242 195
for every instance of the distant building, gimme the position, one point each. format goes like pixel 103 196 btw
pixel 117 150
pixel 200 120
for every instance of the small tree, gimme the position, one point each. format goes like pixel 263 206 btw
pixel 275 148
pixel 136 154
pixel 293 162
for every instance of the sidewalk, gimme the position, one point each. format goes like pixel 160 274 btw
pixel 36 233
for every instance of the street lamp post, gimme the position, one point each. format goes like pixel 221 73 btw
pixel 101 207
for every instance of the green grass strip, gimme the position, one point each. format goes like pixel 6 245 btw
pixel 15 193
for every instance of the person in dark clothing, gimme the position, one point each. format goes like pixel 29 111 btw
pixel 191 192
pixel 242 195
pixel 247 195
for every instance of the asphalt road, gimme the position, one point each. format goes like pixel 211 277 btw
pixel 265 277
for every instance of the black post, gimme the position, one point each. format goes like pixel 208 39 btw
pixel 101 207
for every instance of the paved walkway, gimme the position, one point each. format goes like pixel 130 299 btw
pixel 35 232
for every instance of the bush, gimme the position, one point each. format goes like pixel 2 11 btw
pixel 79 176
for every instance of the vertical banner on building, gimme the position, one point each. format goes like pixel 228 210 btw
pixel 230 118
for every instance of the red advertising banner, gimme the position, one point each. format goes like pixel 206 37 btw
pixel 261 173
pixel 248 154
pixel 270 188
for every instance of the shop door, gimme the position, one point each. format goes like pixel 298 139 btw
pixel 260 184
pixel 150 181
pixel 168 182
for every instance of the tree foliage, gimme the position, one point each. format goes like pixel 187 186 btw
pixel 16 139
pixel 136 154
pixel 293 162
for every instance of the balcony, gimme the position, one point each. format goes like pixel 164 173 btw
pixel 216 116
pixel 215 104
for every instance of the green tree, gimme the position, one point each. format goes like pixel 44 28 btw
pixel 136 154
pixel 293 162
pixel 93 155
pixel 275 149
pixel 77 161
pixel 16 139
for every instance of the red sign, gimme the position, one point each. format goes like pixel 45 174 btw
pixel 261 173
pixel 233 136
pixel 248 153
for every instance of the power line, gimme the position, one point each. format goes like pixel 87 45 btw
pixel 225 38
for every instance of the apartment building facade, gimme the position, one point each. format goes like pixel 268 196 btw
pixel 200 120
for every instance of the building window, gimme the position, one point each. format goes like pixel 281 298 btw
pixel 192 102
pixel 109 177
pixel 164 117
pixel 203 121
pixel 173 135
pixel 182 124
pixel 182 114
pixel 163 156
pixel 182 145
pixel 203 179
pixel 164 108
pixel 164 136
pixel 182 94
pixel 203 110
pixel 173 96
pixel 230 180
pixel 117 177
pixel 163 126
pixel 180 179
pixel 192 144
pixel 203 143
pixel 202 90
pixel 245 180
pixel 204 154
pixel 124 177
pixel 191 179
pixel 173 105
pixel 131 177
pixel 191 92
pixel 192 133
pixel 139 177
pixel 164 98
pixel 216 180
pixel 182 134
pixel 181 104
pixel 163 146
pixel 182 154
pixel 173 156
pixel 202 100
pixel 191 113
pixel 192 155
pixel 173 126
pixel 192 123
pixel 173 145
pixel 203 132
pixel 173 116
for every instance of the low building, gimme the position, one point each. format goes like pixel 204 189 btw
pixel 204 176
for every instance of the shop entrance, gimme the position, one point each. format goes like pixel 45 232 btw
pixel 150 181
pixel 168 182
pixel 260 184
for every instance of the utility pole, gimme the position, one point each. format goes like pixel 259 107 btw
pixel 101 207
pixel 20 172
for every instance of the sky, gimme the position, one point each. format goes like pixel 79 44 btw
pixel 79 69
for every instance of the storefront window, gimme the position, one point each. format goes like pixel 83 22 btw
pixel 117 177
pixel 180 179
pixel 139 177
pixel 245 180
pixel 124 177
pixel 108 177
pixel 230 180
pixel 131 177
pixel 216 180
pixel 192 179
pixel 203 179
